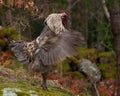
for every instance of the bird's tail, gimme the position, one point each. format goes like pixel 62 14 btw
pixel 19 50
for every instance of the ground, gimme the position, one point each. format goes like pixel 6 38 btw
pixel 26 85
pixel 13 76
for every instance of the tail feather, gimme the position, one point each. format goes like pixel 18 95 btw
pixel 18 49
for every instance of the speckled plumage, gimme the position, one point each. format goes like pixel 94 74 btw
pixel 54 44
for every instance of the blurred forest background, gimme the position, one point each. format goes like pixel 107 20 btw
pixel 23 20
pixel 88 17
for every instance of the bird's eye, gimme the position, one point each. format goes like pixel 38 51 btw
pixel 64 17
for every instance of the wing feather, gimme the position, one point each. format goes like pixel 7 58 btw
pixel 49 47
pixel 57 47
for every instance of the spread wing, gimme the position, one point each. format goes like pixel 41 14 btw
pixel 54 48
pixel 49 47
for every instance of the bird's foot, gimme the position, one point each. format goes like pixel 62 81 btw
pixel 44 87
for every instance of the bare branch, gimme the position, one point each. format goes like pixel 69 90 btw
pixel 75 2
pixel 106 9
pixel 7 6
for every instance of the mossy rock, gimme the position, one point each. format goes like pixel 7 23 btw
pixel 26 90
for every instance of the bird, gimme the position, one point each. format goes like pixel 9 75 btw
pixel 52 46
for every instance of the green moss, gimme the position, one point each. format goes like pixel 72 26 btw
pixel 65 67
pixel 77 75
pixel 110 74
pixel 22 93
pixel 73 59
pixel 92 54
pixel 1 92
pixel 108 70
pixel 9 32
pixel 5 34
pixel 113 64
pixel 66 64
pixel 54 91
pixel 106 54
pixel 103 67
pixel 82 53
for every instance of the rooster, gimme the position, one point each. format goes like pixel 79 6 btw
pixel 54 45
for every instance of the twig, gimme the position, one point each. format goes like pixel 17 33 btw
pixel 106 9
pixel 12 9
pixel 97 92
pixel 69 8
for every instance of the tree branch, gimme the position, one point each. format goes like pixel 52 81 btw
pixel 106 9
pixel 75 2
pixel 12 9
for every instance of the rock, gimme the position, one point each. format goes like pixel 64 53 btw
pixel 17 92
pixel 90 69
pixel 10 91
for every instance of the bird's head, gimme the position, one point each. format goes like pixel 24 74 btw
pixel 56 22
